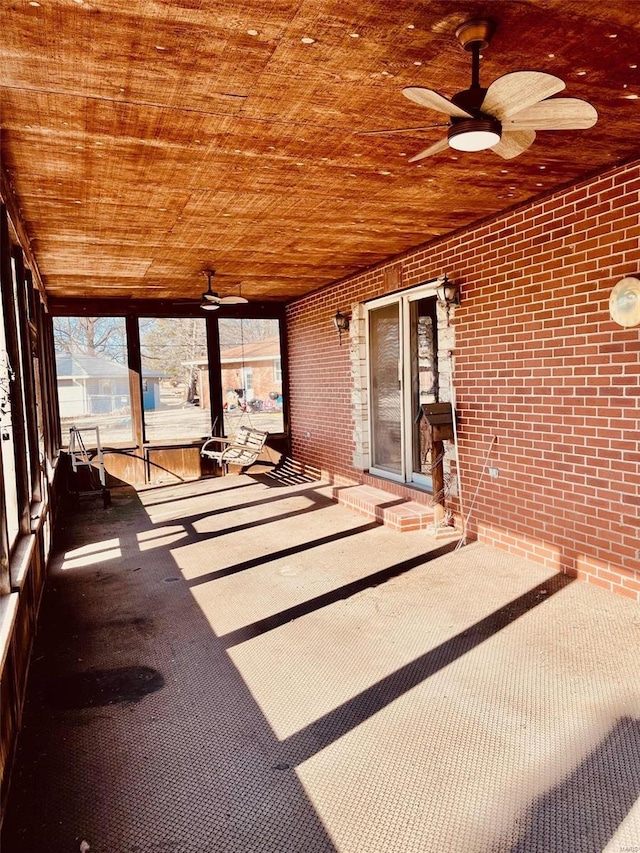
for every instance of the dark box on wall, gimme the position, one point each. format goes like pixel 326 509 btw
pixel 439 416
pixel 438 413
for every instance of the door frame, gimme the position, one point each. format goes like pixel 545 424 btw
pixel 404 298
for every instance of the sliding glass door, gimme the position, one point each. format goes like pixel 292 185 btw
pixel 385 364
pixel 403 374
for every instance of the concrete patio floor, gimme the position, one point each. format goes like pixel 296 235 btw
pixel 241 665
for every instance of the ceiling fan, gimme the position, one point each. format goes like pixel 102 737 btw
pixel 504 116
pixel 211 300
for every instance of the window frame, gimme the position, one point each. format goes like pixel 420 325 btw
pixel 134 310
pixel 36 444
pixel 145 385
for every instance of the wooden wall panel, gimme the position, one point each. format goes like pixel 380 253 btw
pixel 24 634
pixel 125 467
pixel 171 464
pixel 8 726
pixel 10 700
pixel 24 602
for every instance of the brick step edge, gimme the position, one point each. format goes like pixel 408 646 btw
pixel 391 510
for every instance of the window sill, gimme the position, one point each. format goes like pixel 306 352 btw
pixel 36 514
pixel 21 560
pixel 175 442
pixel 8 613
pixel 115 445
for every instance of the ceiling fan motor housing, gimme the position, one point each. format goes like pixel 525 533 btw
pixel 470 99
pixel 478 132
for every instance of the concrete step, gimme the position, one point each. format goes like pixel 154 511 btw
pixel 391 510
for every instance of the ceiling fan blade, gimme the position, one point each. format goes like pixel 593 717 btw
pixel 400 129
pixel 210 296
pixel 434 101
pixel 514 142
pixel 518 90
pixel 433 149
pixel 233 300
pixel 555 114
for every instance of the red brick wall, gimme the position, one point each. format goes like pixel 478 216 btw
pixel 538 363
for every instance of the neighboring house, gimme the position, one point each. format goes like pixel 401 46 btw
pixel 255 368
pixel 90 385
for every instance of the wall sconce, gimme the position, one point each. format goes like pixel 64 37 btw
pixel 624 302
pixel 341 322
pixel 448 294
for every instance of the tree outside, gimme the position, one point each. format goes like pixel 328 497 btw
pixel 93 382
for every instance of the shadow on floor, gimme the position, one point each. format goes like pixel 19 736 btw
pixel 564 820
pixel 326 730
pixel 140 733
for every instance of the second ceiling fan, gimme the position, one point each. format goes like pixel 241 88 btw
pixel 212 300
pixel 506 115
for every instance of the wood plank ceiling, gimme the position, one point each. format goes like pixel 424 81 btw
pixel 147 139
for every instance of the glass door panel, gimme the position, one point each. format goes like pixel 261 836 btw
pixel 423 362
pixel 403 376
pixel 386 390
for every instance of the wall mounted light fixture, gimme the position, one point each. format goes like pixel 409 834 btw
pixel 341 322
pixel 624 302
pixel 448 294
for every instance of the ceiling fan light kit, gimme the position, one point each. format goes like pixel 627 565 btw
pixel 475 134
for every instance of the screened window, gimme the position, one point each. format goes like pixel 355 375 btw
pixel 21 345
pixel 7 446
pixel 175 378
pixel 93 377
pixel 251 374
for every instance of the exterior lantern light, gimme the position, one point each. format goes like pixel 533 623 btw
pixel 341 322
pixel 448 294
